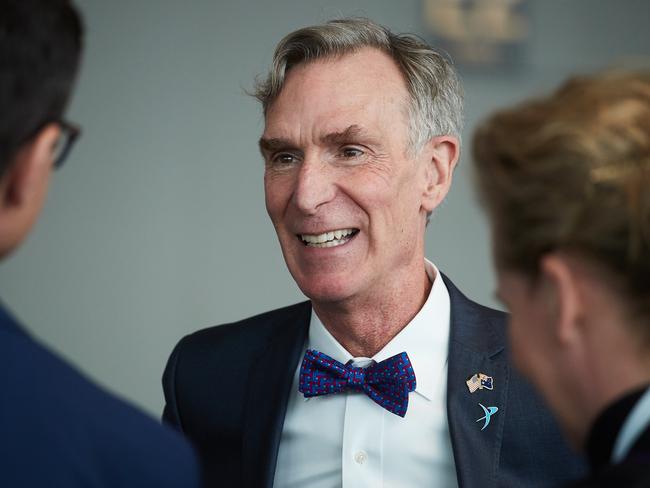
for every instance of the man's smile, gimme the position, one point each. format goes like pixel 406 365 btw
pixel 331 238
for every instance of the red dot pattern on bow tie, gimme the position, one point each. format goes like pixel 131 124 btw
pixel 387 383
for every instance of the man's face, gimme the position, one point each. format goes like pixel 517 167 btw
pixel 342 190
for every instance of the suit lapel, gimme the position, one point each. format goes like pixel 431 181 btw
pixel 269 385
pixel 475 346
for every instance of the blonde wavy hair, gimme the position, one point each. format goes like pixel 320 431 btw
pixel 571 172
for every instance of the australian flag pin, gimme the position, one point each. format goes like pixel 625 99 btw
pixel 480 381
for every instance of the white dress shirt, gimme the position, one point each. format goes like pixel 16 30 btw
pixel 635 423
pixel 347 440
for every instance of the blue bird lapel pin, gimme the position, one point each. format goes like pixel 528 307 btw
pixel 489 411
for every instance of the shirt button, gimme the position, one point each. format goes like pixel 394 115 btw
pixel 360 457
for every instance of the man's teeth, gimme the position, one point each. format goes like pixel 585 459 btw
pixel 327 239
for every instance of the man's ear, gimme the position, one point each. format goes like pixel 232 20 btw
pixel 563 298
pixel 23 188
pixel 28 173
pixel 442 154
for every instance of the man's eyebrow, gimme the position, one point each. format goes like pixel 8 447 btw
pixel 274 144
pixel 344 136
pixel 268 145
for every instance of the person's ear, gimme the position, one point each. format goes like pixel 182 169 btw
pixel 23 188
pixel 563 298
pixel 29 172
pixel 441 154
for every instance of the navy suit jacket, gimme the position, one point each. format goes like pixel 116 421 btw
pixel 57 429
pixel 633 471
pixel 227 389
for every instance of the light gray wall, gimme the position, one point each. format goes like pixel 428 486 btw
pixel 156 226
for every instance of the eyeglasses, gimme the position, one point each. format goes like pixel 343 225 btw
pixel 67 138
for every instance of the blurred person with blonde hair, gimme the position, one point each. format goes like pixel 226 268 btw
pixel 566 181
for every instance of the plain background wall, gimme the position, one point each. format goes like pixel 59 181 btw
pixel 156 225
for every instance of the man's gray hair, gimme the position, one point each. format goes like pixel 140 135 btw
pixel 436 100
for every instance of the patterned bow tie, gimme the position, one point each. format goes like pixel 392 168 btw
pixel 388 382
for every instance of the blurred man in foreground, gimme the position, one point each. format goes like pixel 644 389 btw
pixel 566 180
pixel 389 375
pixel 56 428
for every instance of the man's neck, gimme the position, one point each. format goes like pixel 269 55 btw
pixel 363 326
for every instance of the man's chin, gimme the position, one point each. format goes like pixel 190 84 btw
pixel 327 292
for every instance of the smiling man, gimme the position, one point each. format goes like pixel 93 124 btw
pixel 384 377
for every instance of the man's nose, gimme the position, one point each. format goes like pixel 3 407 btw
pixel 314 186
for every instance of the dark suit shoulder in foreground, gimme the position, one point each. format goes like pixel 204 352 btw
pixel 633 471
pixel 58 429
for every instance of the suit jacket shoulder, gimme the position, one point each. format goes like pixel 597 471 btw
pixel 225 352
pixel 59 429
pixel 244 337
pixel 226 388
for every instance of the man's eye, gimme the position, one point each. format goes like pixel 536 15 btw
pixel 351 152
pixel 284 158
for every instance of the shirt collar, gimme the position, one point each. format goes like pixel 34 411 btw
pixel 425 338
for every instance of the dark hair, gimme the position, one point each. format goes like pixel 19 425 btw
pixel 40 47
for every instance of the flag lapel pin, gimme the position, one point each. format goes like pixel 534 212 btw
pixel 480 381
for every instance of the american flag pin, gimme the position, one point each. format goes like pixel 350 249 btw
pixel 480 381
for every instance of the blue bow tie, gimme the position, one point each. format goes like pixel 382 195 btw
pixel 388 382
